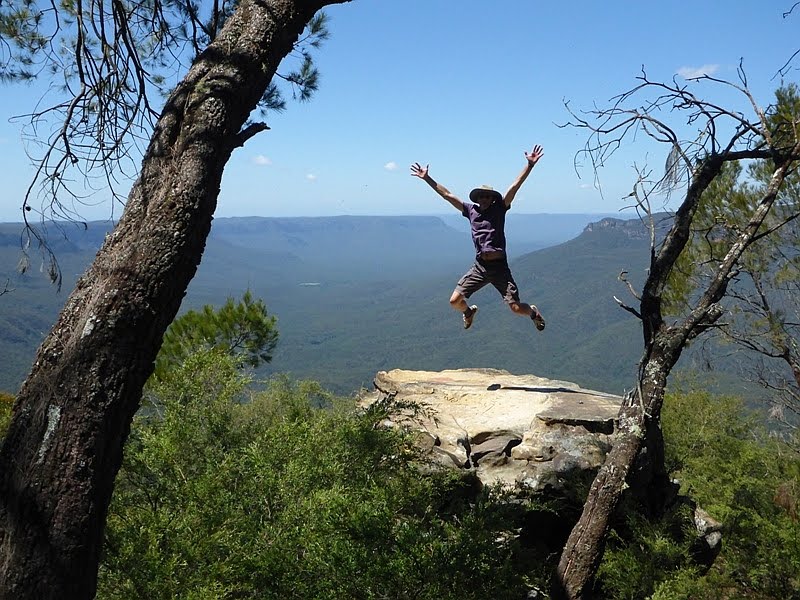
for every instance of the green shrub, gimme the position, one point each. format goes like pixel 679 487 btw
pixel 272 498
pixel 745 479
pixel 6 404
pixel 645 553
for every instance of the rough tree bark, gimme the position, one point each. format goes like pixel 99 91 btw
pixel 73 413
pixel 639 418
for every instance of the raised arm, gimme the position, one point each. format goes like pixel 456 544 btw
pixel 532 158
pixel 418 170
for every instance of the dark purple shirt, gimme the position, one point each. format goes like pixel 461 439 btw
pixel 488 226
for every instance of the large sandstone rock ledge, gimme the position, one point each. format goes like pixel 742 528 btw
pixel 515 430
pixel 520 431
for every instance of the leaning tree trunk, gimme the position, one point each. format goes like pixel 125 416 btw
pixel 641 412
pixel 73 413
pixel 638 419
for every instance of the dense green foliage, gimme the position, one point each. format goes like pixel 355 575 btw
pixel 273 499
pixel 745 479
pixel 6 403
pixel 243 330
pixel 224 492
pixel 373 307
pixel 228 492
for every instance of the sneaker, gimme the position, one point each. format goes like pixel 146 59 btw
pixel 537 318
pixel 468 315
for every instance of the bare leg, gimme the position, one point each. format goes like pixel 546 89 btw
pixel 528 310
pixel 521 309
pixel 458 301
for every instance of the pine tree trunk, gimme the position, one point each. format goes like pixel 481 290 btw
pixel 73 413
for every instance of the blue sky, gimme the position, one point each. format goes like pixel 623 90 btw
pixel 466 86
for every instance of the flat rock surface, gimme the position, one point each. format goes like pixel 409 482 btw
pixel 492 399
pixel 513 429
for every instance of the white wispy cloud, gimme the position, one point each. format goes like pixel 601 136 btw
pixel 692 72
pixel 311 177
pixel 586 186
pixel 262 160
pixel 390 166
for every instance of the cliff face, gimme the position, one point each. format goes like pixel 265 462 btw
pixel 515 430
pixel 522 432
pixel 634 229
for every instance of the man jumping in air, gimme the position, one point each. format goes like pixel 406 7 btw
pixel 487 218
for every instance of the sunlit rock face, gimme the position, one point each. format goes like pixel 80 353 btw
pixel 519 431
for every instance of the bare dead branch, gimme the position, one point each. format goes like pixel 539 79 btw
pixel 630 309
pixel 785 68
pixel 771 230
pixel 702 138
pixel 624 279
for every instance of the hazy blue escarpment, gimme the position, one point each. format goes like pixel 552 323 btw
pixel 354 295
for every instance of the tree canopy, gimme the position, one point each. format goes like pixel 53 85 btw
pixel 763 311
pixel 701 138
pixel 109 66
pixel 243 330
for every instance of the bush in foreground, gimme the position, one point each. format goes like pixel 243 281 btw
pixel 227 493
pixel 746 479
pixel 271 498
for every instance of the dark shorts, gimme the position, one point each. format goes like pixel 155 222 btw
pixel 484 272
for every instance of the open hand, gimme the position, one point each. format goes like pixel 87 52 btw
pixel 534 155
pixel 417 170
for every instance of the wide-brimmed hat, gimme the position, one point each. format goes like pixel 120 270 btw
pixel 484 189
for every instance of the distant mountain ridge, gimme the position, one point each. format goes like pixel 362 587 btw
pixel 407 322
pixel 528 232
pixel 633 229
pixel 379 297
